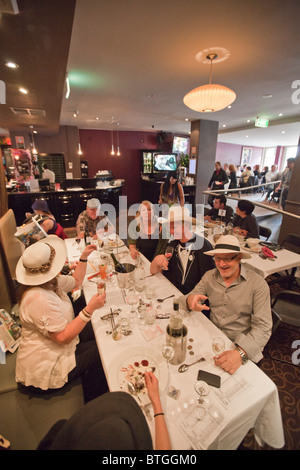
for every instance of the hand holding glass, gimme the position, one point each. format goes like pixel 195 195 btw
pixel 218 345
pixel 168 254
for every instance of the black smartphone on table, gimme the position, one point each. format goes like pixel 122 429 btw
pixel 210 379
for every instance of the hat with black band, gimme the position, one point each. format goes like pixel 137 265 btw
pixel 228 244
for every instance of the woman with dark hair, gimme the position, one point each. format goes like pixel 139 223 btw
pixel 171 191
pixel 48 223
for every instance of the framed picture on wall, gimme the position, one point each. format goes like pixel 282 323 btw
pixel 246 155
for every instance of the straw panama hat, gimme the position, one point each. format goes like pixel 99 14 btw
pixel 179 214
pixel 41 261
pixel 228 244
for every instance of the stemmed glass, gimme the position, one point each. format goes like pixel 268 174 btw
pixel 218 345
pixel 168 352
pixel 168 254
pixel 132 298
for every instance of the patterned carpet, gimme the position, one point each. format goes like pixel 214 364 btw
pixel 286 376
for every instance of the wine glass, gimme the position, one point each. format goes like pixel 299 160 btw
pixel 218 345
pixel 131 298
pixel 168 352
pixel 168 254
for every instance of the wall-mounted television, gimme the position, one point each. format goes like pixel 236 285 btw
pixel 164 162
pixel 180 144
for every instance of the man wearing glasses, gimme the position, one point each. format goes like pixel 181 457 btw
pixel 239 303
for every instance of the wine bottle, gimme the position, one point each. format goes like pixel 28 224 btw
pixel 176 322
pixel 120 268
pixel 87 237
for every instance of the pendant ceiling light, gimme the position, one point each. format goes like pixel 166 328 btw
pixel 209 98
pixel 112 143
pixel 33 147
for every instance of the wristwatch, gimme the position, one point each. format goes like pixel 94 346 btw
pixel 243 355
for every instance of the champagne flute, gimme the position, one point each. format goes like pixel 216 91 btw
pixel 168 254
pixel 168 352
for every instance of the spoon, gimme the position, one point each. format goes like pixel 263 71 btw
pixel 161 300
pixel 185 367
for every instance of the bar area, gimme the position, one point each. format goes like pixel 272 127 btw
pixel 149 228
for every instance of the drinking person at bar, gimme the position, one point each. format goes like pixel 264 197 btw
pixel 93 220
pixel 55 347
pixel 239 303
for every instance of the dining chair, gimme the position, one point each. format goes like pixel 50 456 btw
pixel 285 309
pixel 264 232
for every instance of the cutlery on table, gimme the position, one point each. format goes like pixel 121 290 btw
pixel 185 367
pixel 161 300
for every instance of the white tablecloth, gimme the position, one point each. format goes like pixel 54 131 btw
pixel 248 399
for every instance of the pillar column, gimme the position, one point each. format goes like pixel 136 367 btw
pixel 203 145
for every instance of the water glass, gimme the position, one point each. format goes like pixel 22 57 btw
pixel 150 292
pixel 150 315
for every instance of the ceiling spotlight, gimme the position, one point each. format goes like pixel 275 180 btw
pixel 209 98
pixel 23 90
pixel 75 114
pixel 11 65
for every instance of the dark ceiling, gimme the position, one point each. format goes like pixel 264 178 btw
pixel 131 62
pixel 38 40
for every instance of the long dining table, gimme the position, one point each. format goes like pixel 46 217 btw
pixel 246 400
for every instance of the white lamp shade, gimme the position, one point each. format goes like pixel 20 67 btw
pixel 209 98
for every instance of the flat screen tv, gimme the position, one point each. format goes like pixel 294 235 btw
pixel 164 162
pixel 180 144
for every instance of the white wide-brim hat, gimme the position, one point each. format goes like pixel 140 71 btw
pixel 41 261
pixel 228 244
pixel 179 214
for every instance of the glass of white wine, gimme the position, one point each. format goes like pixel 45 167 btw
pixel 168 351
pixel 218 345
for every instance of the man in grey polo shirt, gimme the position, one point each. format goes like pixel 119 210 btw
pixel 239 303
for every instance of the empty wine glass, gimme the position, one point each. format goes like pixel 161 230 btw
pixel 168 352
pixel 218 345
pixel 168 254
pixel 132 298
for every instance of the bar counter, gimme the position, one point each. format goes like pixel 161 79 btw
pixel 66 204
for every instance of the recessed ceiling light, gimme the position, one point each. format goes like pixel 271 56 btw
pixel 186 119
pixel 247 136
pixel 282 132
pixel 267 96
pixel 11 65
pixel 224 125
pixel 229 106
pixel 280 114
pixel 23 90
pixel 97 118
pixel 248 120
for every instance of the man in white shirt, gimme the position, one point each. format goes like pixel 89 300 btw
pixel 48 174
